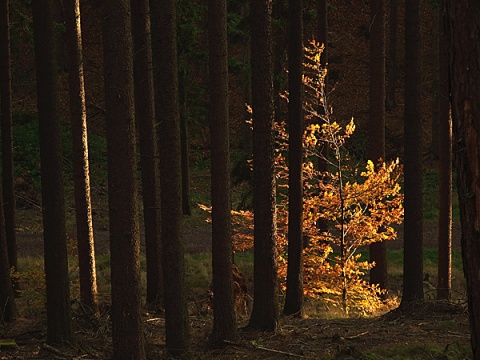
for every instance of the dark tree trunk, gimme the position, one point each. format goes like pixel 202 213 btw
pixel 463 22
pixel 265 303
pixel 445 153
pixel 436 29
pixel 167 115
pixel 376 129
pixel 390 99
pixel 224 322
pixel 8 310
pixel 81 171
pixel 413 241
pixel 186 206
pixel 59 327
pixel 294 293
pixel 127 328
pixel 145 118
pixel 8 180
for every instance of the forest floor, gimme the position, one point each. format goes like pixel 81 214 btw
pixel 431 330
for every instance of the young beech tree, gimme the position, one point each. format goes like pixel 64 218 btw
pixel 357 206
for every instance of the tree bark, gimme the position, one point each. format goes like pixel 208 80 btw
pixel 376 129
pixel 294 292
pixel 8 180
pixel 390 99
pixel 167 114
pixel 265 304
pixel 224 322
pixel 145 118
pixel 463 24
pixel 445 167
pixel 127 325
pixel 81 170
pixel 413 241
pixel 59 327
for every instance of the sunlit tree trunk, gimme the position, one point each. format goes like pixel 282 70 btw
pixel 445 167
pixel 145 118
pixel 81 170
pixel 463 24
pixel 413 234
pixel 127 325
pixel 59 326
pixel 265 304
pixel 294 292
pixel 177 326
pixel 376 128
pixel 8 180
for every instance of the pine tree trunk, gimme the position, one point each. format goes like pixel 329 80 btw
pixel 376 129
pixel 81 170
pixel 145 118
pixel 413 242
pixel 265 305
pixel 59 327
pixel 224 321
pixel 463 23
pixel 392 56
pixel 445 167
pixel 167 115
pixel 8 180
pixel 127 324
pixel 294 292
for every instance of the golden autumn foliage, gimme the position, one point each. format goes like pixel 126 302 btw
pixel 346 207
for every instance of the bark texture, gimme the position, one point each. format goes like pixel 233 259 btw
pixel 376 128
pixel 294 293
pixel 265 306
pixel 413 241
pixel 81 169
pixel 224 321
pixel 167 114
pixel 145 118
pixel 127 325
pixel 463 24
pixel 59 327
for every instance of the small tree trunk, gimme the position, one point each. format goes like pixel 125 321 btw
pixel 390 98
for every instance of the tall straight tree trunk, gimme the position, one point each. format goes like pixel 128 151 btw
pixel 127 325
pixel 392 56
pixel 224 322
pixel 145 117
pixel 435 147
pixel 294 293
pixel 168 119
pixel 463 24
pixel 413 241
pixel 59 326
pixel 444 286
pixel 8 180
pixel 81 170
pixel 265 303
pixel 376 129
